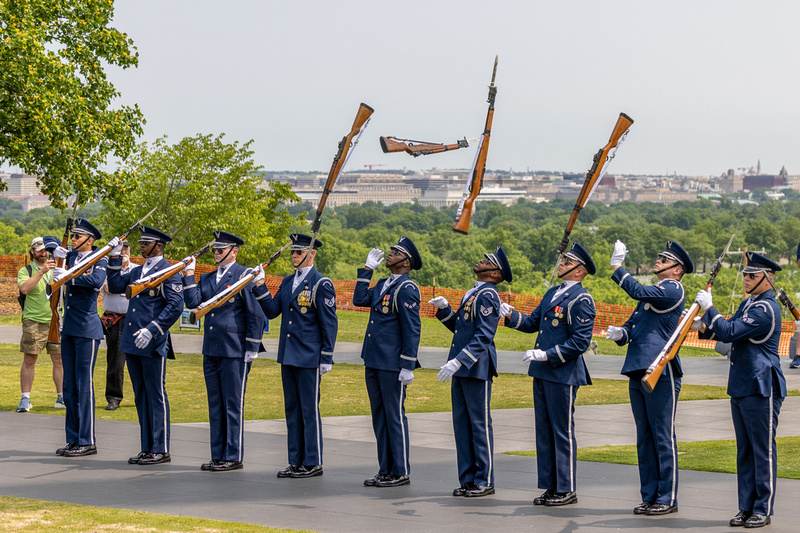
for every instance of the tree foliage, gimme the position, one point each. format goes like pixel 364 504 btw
pixel 56 117
pixel 199 185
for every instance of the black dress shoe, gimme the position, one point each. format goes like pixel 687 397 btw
pixel 561 498
pixel 154 459
pixel 479 490
pixel 539 500
pixel 393 481
pixel 224 466
pixel 371 482
pixel 642 508
pixel 80 451
pixel 462 490
pixel 658 509
pixel 757 520
pixel 135 459
pixel 207 466
pixel 307 471
pixel 69 446
pixel 739 520
pixel 112 406
pixel 288 471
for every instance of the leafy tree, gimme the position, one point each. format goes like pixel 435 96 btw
pixel 199 185
pixel 55 101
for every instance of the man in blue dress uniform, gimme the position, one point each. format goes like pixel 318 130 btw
pixel 307 302
pixel 755 384
pixel 81 334
pixel 564 320
pixel 231 341
pixel 390 354
pixel 655 318
pixel 146 342
pixel 472 363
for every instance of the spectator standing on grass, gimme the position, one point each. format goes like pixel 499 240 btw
pixel 115 306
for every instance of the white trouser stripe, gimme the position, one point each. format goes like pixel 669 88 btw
pixel 91 389
pixel 673 493
pixel 163 402
pixel 771 437
pixel 571 447
pixel 241 413
pixel 403 429
pixel 318 421
pixel 486 423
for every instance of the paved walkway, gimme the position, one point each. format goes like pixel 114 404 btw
pixel 337 501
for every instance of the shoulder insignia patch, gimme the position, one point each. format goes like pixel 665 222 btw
pixel 330 302
pixel 177 287
pixel 410 305
pixel 747 319
pixel 486 311
pixel 583 320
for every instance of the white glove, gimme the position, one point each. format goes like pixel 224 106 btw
pixel 797 324
pixel 116 247
pixel 406 376
pixel 704 299
pixel 697 323
pixel 374 259
pixel 191 262
pixel 440 302
pixel 620 251
pixel 142 338
pixel 58 273
pixel 249 357
pixel 60 252
pixel 324 368
pixel 534 355
pixel 449 368
pixel 506 309
pixel 614 333
pixel 259 272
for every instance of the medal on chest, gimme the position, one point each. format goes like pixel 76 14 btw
pixel 385 302
pixel 559 313
pixel 468 307
pixel 304 300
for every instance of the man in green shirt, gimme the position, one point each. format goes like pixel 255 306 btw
pixel 32 280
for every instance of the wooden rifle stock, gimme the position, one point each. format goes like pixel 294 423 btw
pixel 218 300
pixel 670 349
pixel 784 299
pixel 157 278
pixel 475 180
pixel 600 163
pixel 54 334
pixel 345 147
pixel 418 148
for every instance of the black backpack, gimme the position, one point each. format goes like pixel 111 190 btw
pixel 21 297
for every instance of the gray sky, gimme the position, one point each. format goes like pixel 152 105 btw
pixel 711 85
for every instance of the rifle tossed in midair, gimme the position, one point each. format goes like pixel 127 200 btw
pixel 418 148
pixel 157 278
pixel 475 179
pixel 670 349
pixel 602 159
pixel 92 259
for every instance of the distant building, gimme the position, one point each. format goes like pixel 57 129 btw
pixel 21 185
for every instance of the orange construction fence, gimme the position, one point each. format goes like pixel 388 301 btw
pixel 607 314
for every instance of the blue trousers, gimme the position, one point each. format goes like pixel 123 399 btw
pixel 78 355
pixel 472 425
pixel 656 442
pixel 755 420
pixel 148 376
pixel 301 398
pixel 387 396
pixel 556 445
pixel 226 382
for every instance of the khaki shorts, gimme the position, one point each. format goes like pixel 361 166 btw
pixel 34 338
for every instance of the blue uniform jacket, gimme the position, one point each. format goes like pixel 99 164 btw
pixel 236 326
pixel 80 302
pixel 655 318
pixel 156 309
pixel 565 331
pixel 392 337
pixel 309 323
pixel 474 326
pixel 754 334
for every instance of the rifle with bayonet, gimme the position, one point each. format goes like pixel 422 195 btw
pixel 602 159
pixel 219 300
pixel 157 278
pixel 418 148
pixel 54 334
pixel 670 349
pixel 475 180
pixel 88 262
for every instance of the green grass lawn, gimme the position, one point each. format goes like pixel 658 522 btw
pixel 705 456
pixel 23 515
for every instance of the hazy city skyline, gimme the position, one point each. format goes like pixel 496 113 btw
pixel 710 85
